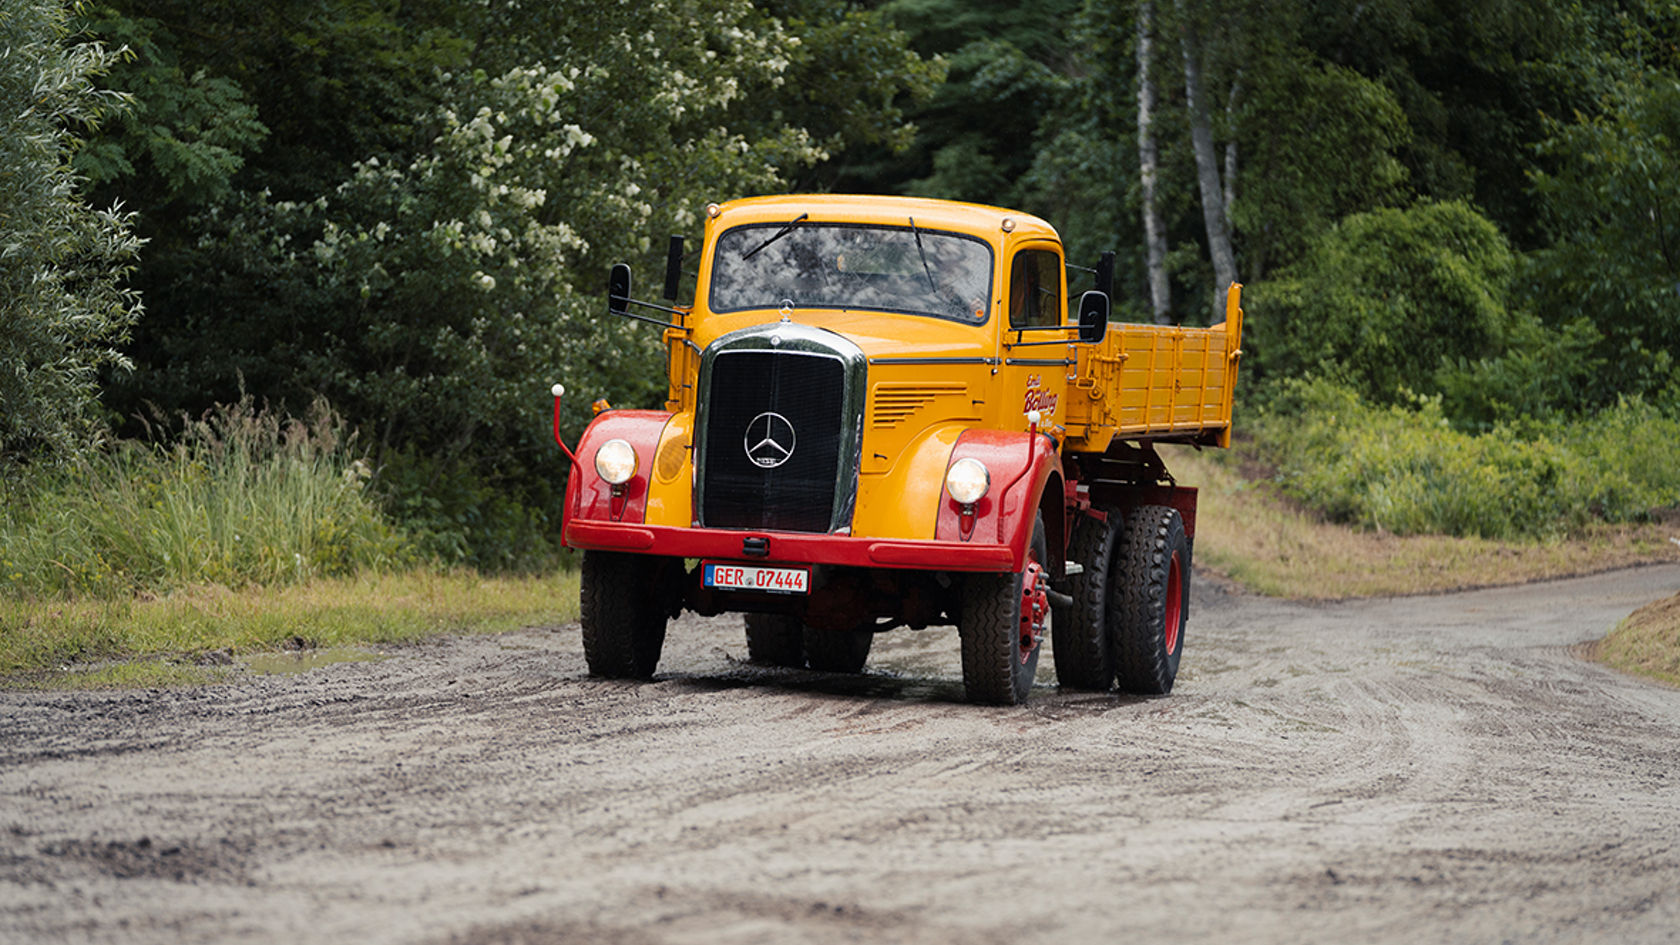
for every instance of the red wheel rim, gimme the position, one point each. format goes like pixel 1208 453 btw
pixel 1175 603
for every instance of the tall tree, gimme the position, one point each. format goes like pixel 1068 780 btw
pixel 1154 233
pixel 1208 178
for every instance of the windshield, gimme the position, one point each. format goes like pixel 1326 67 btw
pixel 906 269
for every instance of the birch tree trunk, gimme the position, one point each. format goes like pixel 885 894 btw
pixel 1160 292
pixel 1231 103
pixel 1207 173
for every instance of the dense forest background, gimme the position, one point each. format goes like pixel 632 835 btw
pixel 1458 223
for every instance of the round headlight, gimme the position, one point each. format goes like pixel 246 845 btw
pixel 615 461
pixel 967 480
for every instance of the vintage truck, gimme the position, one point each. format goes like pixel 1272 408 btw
pixel 891 412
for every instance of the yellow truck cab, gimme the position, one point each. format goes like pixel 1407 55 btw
pixel 886 412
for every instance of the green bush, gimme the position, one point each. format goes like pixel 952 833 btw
pixel 243 497
pixel 457 516
pixel 1405 469
pixel 1537 371
pixel 1383 299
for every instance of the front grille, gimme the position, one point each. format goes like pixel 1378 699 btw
pixel 772 440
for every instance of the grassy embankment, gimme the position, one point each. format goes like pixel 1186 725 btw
pixel 1248 531
pixel 200 633
pixel 1647 643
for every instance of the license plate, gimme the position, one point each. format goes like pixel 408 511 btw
pixel 743 577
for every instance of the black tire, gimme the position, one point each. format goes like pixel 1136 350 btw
pixel 997 668
pixel 1079 634
pixel 837 651
pixel 623 613
pixel 775 640
pixel 1150 600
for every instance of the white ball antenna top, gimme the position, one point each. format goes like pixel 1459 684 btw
pixel 1034 416
pixel 557 390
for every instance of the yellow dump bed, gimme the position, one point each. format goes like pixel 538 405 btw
pixel 1157 382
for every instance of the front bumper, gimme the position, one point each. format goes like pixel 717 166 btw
pixel 790 547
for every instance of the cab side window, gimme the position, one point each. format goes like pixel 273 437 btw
pixel 1035 289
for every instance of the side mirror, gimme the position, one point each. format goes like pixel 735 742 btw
pixel 673 267
pixel 1093 316
pixel 618 290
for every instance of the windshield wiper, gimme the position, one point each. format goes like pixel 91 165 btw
pixel 785 230
pixel 923 253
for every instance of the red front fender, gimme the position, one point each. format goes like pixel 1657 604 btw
pixel 1020 465
pixel 591 498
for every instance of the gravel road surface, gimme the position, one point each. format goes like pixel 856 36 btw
pixel 1426 769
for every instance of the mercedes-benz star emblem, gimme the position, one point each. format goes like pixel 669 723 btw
pixel 769 440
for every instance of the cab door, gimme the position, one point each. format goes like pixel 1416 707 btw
pixel 1037 357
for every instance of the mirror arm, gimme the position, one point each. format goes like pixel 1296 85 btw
pixel 649 319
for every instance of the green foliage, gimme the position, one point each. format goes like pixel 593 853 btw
pixel 1299 118
pixel 242 497
pixel 63 305
pixel 1404 469
pixel 979 132
pixel 1614 217
pixel 1473 81
pixel 453 512
pixel 849 78
pixel 1532 371
pixel 280 96
pixel 1384 299
pixel 190 132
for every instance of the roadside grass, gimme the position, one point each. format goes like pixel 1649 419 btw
pixel 1250 532
pixel 252 533
pixel 243 497
pixel 193 635
pixel 1647 643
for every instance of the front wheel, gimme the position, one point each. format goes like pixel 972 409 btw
pixel 623 613
pixel 1004 621
pixel 1150 602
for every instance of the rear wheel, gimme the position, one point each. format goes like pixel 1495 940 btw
pixel 1003 624
pixel 775 640
pixel 837 651
pixel 1150 602
pixel 623 613
pixel 1084 659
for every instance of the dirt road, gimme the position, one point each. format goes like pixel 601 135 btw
pixel 1412 770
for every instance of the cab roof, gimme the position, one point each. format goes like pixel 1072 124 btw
pixel 973 218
